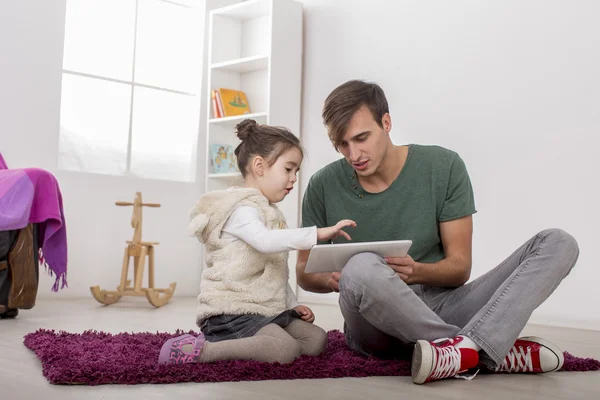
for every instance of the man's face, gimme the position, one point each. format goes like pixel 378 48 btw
pixel 365 143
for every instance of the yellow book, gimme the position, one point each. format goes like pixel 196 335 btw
pixel 234 102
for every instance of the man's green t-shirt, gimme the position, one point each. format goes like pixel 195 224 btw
pixel 432 187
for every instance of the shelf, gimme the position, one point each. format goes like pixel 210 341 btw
pixel 246 10
pixel 241 65
pixel 225 175
pixel 260 117
pixel 254 46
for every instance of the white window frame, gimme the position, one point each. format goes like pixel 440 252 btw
pixel 133 84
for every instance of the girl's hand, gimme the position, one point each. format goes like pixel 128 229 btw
pixel 332 232
pixel 306 313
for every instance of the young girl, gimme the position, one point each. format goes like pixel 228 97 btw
pixel 247 310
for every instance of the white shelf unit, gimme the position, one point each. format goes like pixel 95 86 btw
pixel 255 46
pixel 227 175
pixel 242 65
pixel 260 117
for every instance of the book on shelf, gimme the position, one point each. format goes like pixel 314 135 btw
pixel 223 159
pixel 216 104
pixel 229 103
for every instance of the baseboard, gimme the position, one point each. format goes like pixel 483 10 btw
pixel 332 299
pixel 538 319
pixel 317 298
pixel 560 321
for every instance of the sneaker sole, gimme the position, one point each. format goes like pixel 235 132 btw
pixel 422 362
pixel 550 346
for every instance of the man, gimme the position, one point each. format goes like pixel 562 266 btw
pixel 423 193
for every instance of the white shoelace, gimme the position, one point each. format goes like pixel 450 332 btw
pixel 446 361
pixel 517 360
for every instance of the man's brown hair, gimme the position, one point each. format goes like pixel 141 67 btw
pixel 345 100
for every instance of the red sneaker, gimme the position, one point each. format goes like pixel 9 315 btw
pixel 441 359
pixel 532 354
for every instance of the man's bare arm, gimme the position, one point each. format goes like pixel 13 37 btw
pixel 452 271
pixel 317 282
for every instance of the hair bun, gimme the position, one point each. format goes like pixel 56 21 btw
pixel 246 128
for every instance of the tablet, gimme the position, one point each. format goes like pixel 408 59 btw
pixel 333 257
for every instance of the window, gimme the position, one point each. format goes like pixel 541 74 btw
pixel 130 88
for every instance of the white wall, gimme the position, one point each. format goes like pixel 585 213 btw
pixel 512 86
pixel 31 45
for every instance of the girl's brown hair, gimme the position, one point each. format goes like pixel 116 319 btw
pixel 268 142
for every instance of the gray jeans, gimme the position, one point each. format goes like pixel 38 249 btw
pixel 384 316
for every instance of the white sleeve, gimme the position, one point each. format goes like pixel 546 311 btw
pixel 245 223
pixel 291 300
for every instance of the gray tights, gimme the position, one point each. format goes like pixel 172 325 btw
pixel 270 344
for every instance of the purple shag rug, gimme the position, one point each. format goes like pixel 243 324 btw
pixel 96 358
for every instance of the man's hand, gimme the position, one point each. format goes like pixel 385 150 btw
pixel 404 267
pixel 306 313
pixel 317 282
pixel 334 281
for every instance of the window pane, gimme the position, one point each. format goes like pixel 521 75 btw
pixel 94 125
pixel 99 37
pixel 165 131
pixel 169 46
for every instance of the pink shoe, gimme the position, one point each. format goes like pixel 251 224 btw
pixel 532 354
pixel 441 359
pixel 172 351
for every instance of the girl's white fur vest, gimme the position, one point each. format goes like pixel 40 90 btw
pixel 237 278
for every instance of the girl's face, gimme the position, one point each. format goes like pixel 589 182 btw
pixel 278 180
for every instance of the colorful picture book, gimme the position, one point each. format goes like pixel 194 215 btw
pixel 229 102
pixel 223 159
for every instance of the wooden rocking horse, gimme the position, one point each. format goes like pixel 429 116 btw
pixel 139 250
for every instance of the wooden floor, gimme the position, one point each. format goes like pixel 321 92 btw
pixel 21 373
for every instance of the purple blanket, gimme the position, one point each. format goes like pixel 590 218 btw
pixel 32 195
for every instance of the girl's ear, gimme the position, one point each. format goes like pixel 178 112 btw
pixel 258 166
